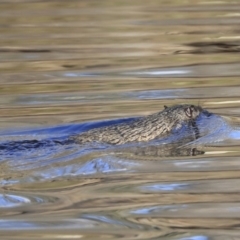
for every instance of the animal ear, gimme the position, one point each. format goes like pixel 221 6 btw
pixel 165 107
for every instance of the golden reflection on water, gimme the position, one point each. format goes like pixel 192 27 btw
pixel 63 63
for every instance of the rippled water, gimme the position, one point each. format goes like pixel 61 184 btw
pixel 69 66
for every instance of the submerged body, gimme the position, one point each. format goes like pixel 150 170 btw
pixel 147 128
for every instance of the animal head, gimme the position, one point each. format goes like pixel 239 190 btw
pixel 185 113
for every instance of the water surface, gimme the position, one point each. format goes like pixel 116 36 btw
pixel 69 66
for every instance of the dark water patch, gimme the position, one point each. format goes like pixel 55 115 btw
pixel 213 47
pixel 3 50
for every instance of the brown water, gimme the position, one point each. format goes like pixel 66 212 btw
pixel 64 64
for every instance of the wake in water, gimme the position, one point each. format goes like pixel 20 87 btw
pixel 215 129
pixel 34 155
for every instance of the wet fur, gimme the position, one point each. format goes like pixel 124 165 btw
pixel 144 129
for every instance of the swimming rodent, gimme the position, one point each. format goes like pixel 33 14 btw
pixel 170 121
pixel 146 128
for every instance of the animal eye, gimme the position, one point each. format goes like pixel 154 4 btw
pixel 189 111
